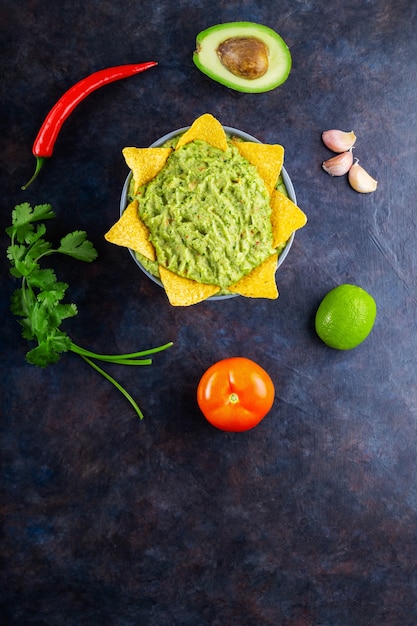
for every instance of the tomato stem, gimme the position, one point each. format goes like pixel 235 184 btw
pixel 233 398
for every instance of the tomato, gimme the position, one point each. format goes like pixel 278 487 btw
pixel 235 394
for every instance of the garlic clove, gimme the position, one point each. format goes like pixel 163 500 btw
pixel 338 140
pixel 360 180
pixel 339 164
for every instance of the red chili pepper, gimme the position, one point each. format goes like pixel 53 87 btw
pixel 44 143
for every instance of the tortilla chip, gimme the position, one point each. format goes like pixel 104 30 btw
pixel 267 158
pixel 131 232
pixel 286 217
pixel 206 128
pixel 260 283
pixel 145 163
pixel 183 291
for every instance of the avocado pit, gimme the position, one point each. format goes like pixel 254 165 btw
pixel 246 57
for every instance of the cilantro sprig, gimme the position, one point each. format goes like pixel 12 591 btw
pixel 38 302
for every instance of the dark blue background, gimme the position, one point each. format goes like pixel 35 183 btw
pixel 311 518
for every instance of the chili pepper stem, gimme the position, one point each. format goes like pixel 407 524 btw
pixel 39 162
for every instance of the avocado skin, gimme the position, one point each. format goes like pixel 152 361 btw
pixel 206 60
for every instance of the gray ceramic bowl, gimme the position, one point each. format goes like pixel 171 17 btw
pixel 230 131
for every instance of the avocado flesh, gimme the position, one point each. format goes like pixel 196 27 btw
pixel 208 60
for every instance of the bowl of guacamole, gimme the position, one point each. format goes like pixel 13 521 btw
pixel 191 240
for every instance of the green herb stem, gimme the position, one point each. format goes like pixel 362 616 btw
pixel 109 358
pixel 116 384
pixel 151 350
pixel 132 358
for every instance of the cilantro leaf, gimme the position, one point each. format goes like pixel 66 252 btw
pixel 16 253
pixel 21 301
pixel 52 293
pixel 43 279
pixel 38 248
pixel 23 217
pixel 49 350
pixel 38 320
pixel 23 268
pixel 77 246
pixel 61 312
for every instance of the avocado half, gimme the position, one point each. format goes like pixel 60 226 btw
pixel 243 56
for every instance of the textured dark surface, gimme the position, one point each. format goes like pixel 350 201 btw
pixel 311 518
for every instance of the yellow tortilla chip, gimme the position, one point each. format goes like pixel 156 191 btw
pixel 267 158
pixel 206 128
pixel 145 163
pixel 260 283
pixel 131 232
pixel 286 217
pixel 183 291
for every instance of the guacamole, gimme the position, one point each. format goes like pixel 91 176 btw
pixel 209 216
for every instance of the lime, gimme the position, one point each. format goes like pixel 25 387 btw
pixel 345 317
